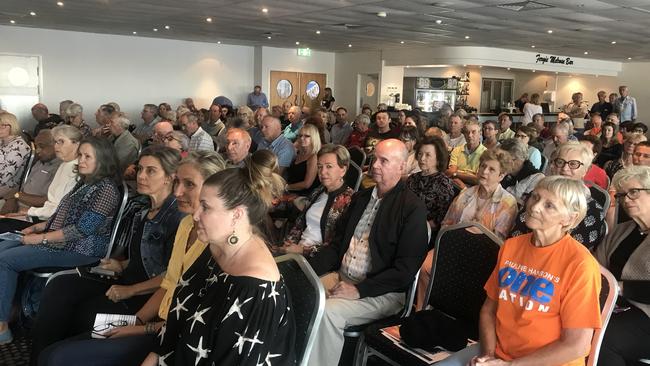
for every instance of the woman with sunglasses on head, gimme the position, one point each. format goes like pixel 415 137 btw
pixel 626 253
pixel 572 160
pixel 302 173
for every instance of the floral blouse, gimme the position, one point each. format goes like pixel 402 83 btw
pixel 337 203
pixel 436 191
pixel 13 157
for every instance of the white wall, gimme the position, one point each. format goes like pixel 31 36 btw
pixel 93 69
pixel 636 76
pixel 348 66
pixel 287 59
pixel 392 82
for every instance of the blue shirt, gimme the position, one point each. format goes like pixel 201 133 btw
pixel 282 148
pixel 255 101
pixel 291 132
pixel 626 107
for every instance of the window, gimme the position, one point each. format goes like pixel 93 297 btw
pixel 19 85
pixel 284 88
pixel 312 89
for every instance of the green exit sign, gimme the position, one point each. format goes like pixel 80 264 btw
pixel 304 52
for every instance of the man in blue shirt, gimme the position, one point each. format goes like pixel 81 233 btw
pixel 257 99
pixel 295 123
pixel 275 141
pixel 625 106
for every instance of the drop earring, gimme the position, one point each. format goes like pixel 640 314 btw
pixel 233 239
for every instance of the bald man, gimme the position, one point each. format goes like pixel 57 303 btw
pixel 238 142
pixel 295 123
pixel 275 141
pixel 371 260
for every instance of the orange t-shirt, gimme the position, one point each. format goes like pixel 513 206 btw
pixel 540 291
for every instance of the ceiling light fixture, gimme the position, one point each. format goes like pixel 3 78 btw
pixel 59 3
pixel 209 20
pixel 12 21
pixel 550 31
pixel 382 14
pixel 268 37
pixel 534 70
pixel 168 27
pixel 317 32
pixel 533 46
pixel 401 42
pixel 218 42
pixel 297 43
pixel 134 33
pixel 350 46
pixel 586 52
pixel 155 29
pixel 465 65
pixel 466 37
pixel 265 10
pixel 32 13
pixel 629 58
pixel 438 21
pixel 613 42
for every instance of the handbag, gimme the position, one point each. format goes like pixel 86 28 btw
pixel 428 329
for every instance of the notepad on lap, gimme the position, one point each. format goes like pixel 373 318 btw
pixel 106 322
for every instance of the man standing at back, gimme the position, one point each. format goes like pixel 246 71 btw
pixel 625 105
pixel 374 255
pixel 257 99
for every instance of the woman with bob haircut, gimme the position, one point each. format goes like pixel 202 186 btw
pixel 542 304
pixel 14 151
pixel 76 234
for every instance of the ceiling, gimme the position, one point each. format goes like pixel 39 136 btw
pixel 577 26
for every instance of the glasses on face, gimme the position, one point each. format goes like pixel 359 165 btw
pixel 303 135
pixel 4 125
pixel 489 128
pixel 573 164
pixel 632 194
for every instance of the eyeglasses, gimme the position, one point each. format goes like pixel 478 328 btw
pixel 104 327
pixel 4 125
pixel 303 135
pixel 632 194
pixel 573 164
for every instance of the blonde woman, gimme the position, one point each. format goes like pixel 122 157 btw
pixel 301 174
pixel 14 151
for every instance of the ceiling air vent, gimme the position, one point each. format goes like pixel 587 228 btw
pixel 523 6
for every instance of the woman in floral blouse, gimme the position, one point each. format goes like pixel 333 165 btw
pixel 315 226
pixel 14 151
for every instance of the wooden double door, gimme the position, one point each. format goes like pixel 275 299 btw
pixel 299 88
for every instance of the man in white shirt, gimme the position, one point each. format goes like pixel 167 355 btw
pixel 199 139
pixel 342 129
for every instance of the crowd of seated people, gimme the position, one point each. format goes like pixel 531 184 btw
pixel 196 241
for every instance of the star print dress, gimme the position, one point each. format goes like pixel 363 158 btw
pixel 219 319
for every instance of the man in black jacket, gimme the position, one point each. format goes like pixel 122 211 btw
pixel 374 255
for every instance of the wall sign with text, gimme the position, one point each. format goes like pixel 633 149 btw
pixel 542 59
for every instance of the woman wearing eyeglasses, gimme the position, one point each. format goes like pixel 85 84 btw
pixel 626 253
pixel 572 160
pixel 178 141
pixel 410 137
pixel 14 151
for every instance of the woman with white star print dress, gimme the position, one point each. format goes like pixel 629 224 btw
pixel 232 307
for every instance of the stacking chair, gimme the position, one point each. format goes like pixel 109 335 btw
pixel 28 168
pixel 462 264
pixel 608 294
pixel 48 272
pixel 600 195
pixel 308 301
pixel 357 155
pixel 353 176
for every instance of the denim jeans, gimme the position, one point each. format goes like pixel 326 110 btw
pixel 16 257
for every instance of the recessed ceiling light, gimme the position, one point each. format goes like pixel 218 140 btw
pixel 209 20
pixel 550 31
pixel 168 27
pixel 155 29
pixel 265 10
pixel 557 73
pixel 401 42
pixel 508 69
pixel 480 66
pixel 466 37
pixel 382 14
pixel 438 21
pixel 297 43
pixel 586 52
pixel 268 37
pixel 32 13
pixel 534 70
pixel 613 42
pixel 408 66
pixel 629 58
pixel 465 65
pixel 533 46
pixel 135 32
pixel 12 21
pixel 350 45
pixel 317 32
pixel 218 42
pixel 59 3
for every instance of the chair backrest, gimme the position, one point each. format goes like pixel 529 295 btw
pixel 357 155
pixel 353 176
pixel 463 262
pixel 124 191
pixel 600 195
pixel 308 301
pixel 608 295
pixel 28 168
pixel 544 163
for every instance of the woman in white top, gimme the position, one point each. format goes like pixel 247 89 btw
pixel 531 108
pixel 66 146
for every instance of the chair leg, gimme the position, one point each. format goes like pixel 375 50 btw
pixel 360 351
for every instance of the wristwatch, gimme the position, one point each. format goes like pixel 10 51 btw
pixel 17 195
pixel 44 241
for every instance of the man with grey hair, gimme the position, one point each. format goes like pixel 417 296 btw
pixel 371 261
pixel 559 135
pixel 126 146
pixel 238 143
pixel 199 139
pixel 625 105
pixel 523 177
pixel 144 131
pixel 44 118
pixel 295 123
pixel 275 141
pixel 63 106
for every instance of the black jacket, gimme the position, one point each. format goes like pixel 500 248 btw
pixel 398 241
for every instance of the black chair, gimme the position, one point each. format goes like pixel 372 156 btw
pixel 462 264
pixel 357 155
pixel 353 176
pixel 308 301
pixel 49 272
pixel 27 168
pixel 600 195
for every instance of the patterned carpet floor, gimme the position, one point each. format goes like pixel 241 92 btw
pixel 16 353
